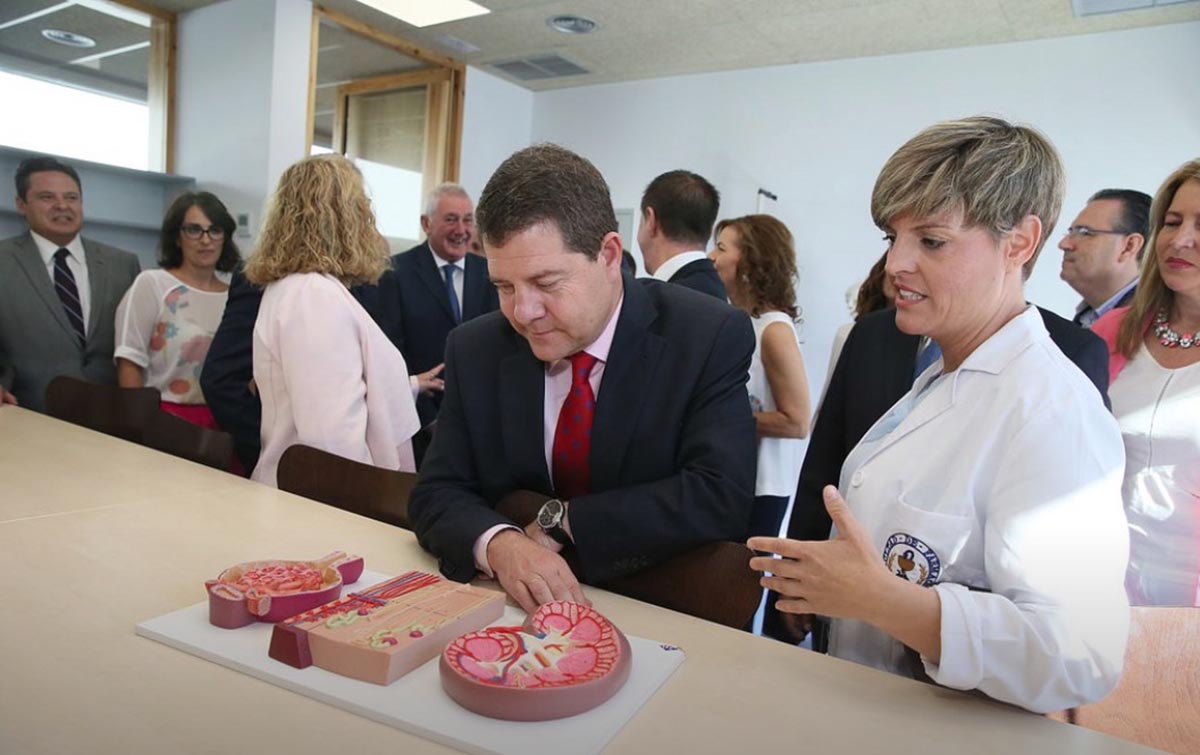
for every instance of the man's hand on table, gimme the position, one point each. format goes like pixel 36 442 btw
pixel 530 571
pixel 7 398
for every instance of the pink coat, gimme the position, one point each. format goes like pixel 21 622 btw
pixel 1107 327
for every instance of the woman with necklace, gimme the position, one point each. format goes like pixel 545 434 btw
pixel 167 319
pixel 1154 366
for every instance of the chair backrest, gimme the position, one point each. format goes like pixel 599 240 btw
pixel 712 582
pixel 1157 701
pixel 380 494
pixel 121 412
pixel 178 437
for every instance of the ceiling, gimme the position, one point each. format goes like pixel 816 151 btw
pixel 636 39
pixel 639 39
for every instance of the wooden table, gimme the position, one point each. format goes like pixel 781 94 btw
pixel 97 534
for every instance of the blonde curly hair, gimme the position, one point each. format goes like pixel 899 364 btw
pixel 320 221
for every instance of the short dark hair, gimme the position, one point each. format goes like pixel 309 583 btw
pixel 685 205
pixel 31 165
pixel 543 183
pixel 170 255
pixel 1135 211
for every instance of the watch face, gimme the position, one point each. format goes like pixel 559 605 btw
pixel 550 514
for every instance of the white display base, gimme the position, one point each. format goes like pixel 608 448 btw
pixel 416 702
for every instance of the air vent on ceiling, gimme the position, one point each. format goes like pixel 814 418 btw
pixel 540 67
pixel 457 45
pixel 1094 7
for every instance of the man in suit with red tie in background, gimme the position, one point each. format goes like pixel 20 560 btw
pixel 623 399
pixel 58 291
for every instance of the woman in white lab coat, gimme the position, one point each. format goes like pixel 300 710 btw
pixel 979 537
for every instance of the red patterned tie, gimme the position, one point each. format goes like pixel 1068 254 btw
pixel 573 436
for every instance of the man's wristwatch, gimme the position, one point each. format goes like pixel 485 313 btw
pixel 550 518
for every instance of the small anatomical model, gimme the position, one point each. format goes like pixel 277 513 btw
pixel 275 590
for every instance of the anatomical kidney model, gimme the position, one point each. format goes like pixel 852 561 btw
pixel 275 590
pixel 566 659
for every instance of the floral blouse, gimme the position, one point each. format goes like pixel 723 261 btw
pixel 165 327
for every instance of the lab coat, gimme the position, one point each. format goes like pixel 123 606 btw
pixel 1001 489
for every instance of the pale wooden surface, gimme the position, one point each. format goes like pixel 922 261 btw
pixel 97 534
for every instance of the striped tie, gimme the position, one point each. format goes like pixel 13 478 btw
pixel 68 293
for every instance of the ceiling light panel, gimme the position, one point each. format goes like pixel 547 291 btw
pixel 427 12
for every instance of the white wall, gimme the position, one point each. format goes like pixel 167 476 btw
pixel 242 83
pixel 1121 107
pixel 497 121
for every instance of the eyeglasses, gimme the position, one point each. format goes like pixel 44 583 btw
pixel 1083 232
pixel 194 232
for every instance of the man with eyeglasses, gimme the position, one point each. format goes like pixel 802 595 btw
pixel 1102 249
pixel 58 291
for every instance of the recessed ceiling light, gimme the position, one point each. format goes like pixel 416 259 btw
pixel 571 24
pixel 427 12
pixel 68 38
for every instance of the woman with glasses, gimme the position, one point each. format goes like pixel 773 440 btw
pixel 327 375
pixel 167 318
pixel 1154 365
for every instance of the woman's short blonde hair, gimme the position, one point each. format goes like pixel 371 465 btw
pixel 1152 293
pixel 320 221
pixel 993 172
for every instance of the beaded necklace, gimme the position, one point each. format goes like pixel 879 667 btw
pixel 1168 337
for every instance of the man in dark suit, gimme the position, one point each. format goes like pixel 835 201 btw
pixel 876 368
pixel 439 285
pixel 678 212
pixel 624 399
pixel 229 366
pixel 1102 250
pixel 58 291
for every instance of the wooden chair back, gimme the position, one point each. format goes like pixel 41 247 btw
pixel 712 582
pixel 380 494
pixel 120 412
pixel 1157 701
pixel 178 437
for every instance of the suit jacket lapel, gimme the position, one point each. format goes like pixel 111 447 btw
pixel 98 285
pixel 632 361
pixel 427 271
pixel 474 287
pixel 522 387
pixel 35 269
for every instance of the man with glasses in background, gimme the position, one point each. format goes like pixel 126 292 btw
pixel 1102 249
pixel 58 291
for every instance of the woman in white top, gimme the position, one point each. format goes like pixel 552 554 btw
pixel 327 375
pixel 979 537
pixel 167 318
pixel 756 260
pixel 1154 367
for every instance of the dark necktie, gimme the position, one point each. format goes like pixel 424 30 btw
pixel 573 436
pixel 68 293
pixel 450 270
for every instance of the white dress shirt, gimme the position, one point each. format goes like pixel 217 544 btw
pixel 1003 477
pixel 77 263
pixel 677 263
pixel 458 276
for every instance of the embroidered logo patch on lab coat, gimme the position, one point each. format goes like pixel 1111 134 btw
pixel 910 558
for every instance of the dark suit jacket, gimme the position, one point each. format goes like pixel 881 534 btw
pixel 422 308
pixel 874 371
pixel 701 276
pixel 673 440
pixel 229 366
pixel 37 342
